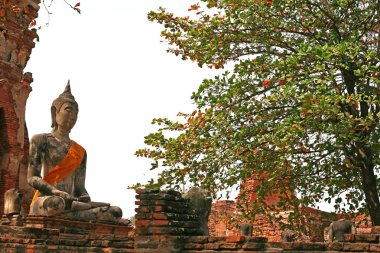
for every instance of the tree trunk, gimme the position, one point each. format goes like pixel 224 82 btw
pixel 361 155
pixel 368 180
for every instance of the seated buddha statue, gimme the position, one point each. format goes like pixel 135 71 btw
pixel 57 170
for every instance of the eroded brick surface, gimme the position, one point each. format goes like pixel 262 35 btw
pixel 43 234
pixel 16 44
pixel 156 232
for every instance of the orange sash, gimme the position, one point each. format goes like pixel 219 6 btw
pixel 70 163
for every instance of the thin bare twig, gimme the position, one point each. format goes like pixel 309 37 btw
pixel 72 7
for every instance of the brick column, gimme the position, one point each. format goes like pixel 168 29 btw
pixel 163 220
pixel 16 44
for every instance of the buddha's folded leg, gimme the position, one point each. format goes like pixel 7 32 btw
pixel 106 213
pixel 87 214
pixel 115 211
pixel 79 206
pixel 56 206
pixel 47 206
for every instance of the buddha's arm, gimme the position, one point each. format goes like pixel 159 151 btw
pixel 80 178
pixel 34 169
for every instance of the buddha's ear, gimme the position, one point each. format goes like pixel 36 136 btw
pixel 53 112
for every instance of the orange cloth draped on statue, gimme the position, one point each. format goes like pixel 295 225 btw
pixel 69 164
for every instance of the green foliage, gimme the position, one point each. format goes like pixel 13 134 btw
pixel 300 106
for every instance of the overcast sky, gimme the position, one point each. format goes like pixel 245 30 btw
pixel 122 78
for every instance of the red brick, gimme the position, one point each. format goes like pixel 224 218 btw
pixel 198 239
pixel 253 246
pixel 338 246
pixel 145 191
pixel 52 247
pixel 142 223
pixel 229 245
pixel 212 246
pixel 355 246
pixel 374 248
pixel 159 223
pixel 375 229
pixel 235 238
pixel 142 209
pixel 160 216
pixel 196 246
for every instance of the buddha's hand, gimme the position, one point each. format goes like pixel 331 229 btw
pixel 63 195
pixel 84 198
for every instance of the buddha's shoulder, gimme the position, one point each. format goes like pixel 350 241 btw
pixel 40 139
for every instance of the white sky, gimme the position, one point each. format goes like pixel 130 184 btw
pixel 121 77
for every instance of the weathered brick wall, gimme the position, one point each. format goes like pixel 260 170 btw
pixel 164 212
pixel 222 222
pixel 363 223
pixel 103 239
pixel 45 235
pixel 157 210
pixel 224 244
pixel 224 212
pixel 262 226
pixel 164 225
pixel 162 217
pixel 220 219
pixel 248 192
pixel 230 244
pixel 16 43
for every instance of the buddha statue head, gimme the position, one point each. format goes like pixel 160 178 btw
pixel 64 110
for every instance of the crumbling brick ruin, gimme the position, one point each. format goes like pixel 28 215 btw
pixel 164 224
pixel 16 43
pixel 164 221
pixel 223 212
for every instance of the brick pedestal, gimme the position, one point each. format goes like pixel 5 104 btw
pixel 46 235
pixel 163 219
pixel 164 224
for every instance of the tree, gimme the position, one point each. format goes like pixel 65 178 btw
pixel 301 104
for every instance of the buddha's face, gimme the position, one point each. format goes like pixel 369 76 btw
pixel 67 116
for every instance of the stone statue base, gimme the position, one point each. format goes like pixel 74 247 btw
pixel 47 234
pixel 79 226
pixel 12 220
pixel 53 206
